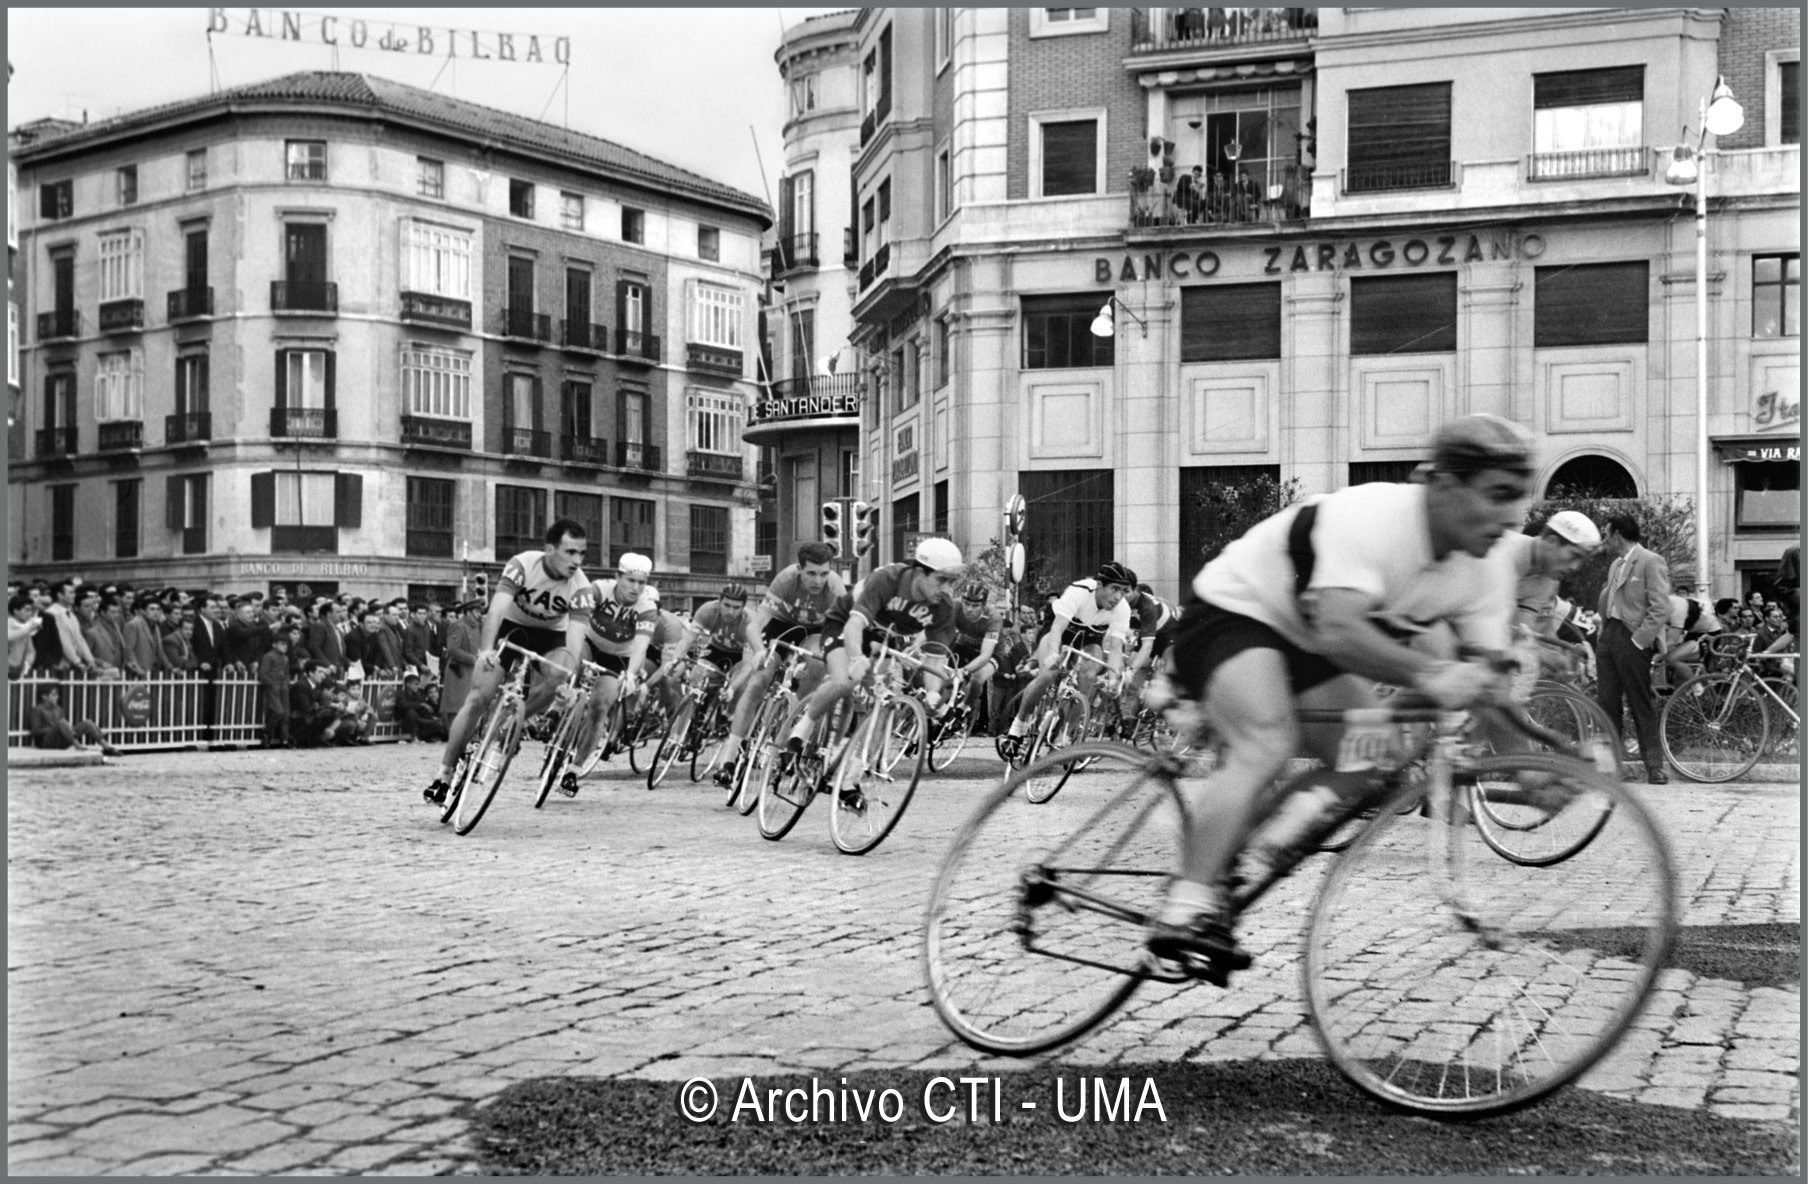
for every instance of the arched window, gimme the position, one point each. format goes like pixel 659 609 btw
pixel 1592 477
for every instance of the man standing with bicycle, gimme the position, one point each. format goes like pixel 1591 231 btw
pixel 542 604
pixel 1311 604
pixel 1091 614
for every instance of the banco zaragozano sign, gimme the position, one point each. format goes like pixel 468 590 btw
pixel 1338 255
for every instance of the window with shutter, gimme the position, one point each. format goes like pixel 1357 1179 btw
pixel 126 498
pixel 1070 157
pixel 348 500
pixel 1588 123
pixel 194 526
pixel 1789 102
pixel 62 522
pixel 709 540
pixel 587 511
pixel 175 512
pixel 1399 138
pixel 1070 525
pixel 1592 304
pixel 1230 322
pixel 1403 314
pixel 429 516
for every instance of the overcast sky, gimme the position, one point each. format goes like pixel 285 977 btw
pixel 681 84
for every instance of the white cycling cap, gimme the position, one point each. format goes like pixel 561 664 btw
pixel 1576 527
pixel 938 555
pixel 635 562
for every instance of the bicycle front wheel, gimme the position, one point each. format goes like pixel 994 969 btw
pixel 557 758
pixel 1037 921
pixel 487 767
pixel 1715 727
pixel 1446 981
pixel 951 736
pixel 784 793
pixel 710 741
pixel 759 751
pixel 1061 726
pixel 676 733
pixel 877 776
pixel 649 726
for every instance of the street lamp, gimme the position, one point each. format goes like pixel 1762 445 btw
pixel 1104 326
pixel 1721 115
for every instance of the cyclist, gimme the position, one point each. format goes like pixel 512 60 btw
pixel 1156 622
pixel 977 629
pixel 1092 615
pixel 1540 562
pixel 726 630
pixel 665 653
pixel 623 617
pixel 1692 621
pixel 1315 600
pixel 796 604
pixel 542 603
pixel 910 599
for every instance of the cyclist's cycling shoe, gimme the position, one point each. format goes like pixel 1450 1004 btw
pixel 436 793
pixel 1203 947
pixel 568 784
pixel 853 800
pixel 540 728
pixel 1013 747
pixel 789 756
pixel 725 775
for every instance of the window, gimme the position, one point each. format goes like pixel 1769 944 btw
pixel 805 505
pixel 125 183
pixel 1588 123
pixel 1206 503
pixel 305 509
pixel 191 384
pixel 1364 472
pixel 906 519
pixel 521 198
pixel 305 159
pixel 1262 126
pixel 1230 322
pixel 709 540
pixel 848 476
pixel 185 510
pixel 1399 138
pixel 944 37
pixel 197 169
pixel 430 177
pixel 1592 304
pixel 304 378
pixel 716 315
pixel 1403 314
pixel 633 417
pixel 520 521
pixel 194 266
pixel 714 421
pixel 122 265
pixel 803 345
pixel 586 509
pixel 436 382
pixel 868 222
pixel 633 225
pixel 436 259
pixel 1777 295
pixel 1070 520
pixel 944 184
pixel 631 527
pixel 304 264
pixel 521 401
pixel 1770 496
pixel 797 216
pixel 941 508
pixel 883 230
pixel 631 313
pixel 1065 156
pixel 1058 22
pixel 127 497
pixel 571 211
pixel 944 350
pixel 1789 102
pixel 119 386
pixel 1057 332
pixel 898 381
pixel 62 522
pixel 803 95
pixel 709 243
pixel 59 400
pixel 576 399
pixel 12 343
pixel 56 200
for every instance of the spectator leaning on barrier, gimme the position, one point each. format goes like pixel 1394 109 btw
pixel 144 640
pixel 22 625
pixel 179 649
pixel 107 637
pixel 417 639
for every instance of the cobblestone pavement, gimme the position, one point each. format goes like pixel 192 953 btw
pixel 277 963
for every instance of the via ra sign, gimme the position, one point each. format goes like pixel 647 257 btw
pixel 1321 257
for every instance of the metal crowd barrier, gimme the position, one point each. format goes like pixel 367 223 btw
pixel 172 713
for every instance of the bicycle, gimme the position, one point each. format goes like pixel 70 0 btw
pixel 1439 978
pixel 949 731
pixel 625 731
pixel 1063 719
pixel 702 684
pixel 492 747
pixel 561 747
pixel 764 735
pixel 1718 724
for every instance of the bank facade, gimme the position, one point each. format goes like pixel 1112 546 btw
pixel 1402 216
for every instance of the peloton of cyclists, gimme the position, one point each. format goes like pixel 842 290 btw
pixel 624 613
pixel 1091 614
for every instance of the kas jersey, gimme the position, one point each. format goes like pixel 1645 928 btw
pixel 536 599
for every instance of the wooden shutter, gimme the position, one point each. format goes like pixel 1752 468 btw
pixel 175 509
pixel 348 500
pixel 621 316
pixel 331 360
pixel 197 260
pixel 786 224
pixel 1592 305
pixel 1584 88
pixel 539 424
pixel 1399 124
pixel 1070 157
pixel 282 379
pixel 1789 99
pixel 203 387
pixel 1230 322
pixel 1403 314
pixel 182 407
pixel 263 499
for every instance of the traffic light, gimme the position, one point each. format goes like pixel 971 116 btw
pixel 866 528
pixel 831 524
pixel 480 588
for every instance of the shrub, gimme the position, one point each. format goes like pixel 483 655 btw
pixel 1232 507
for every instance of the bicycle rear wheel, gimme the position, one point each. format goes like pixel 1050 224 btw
pixel 672 743
pixel 784 794
pixel 712 733
pixel 1061 726
pixel 758 751
pixel 1714 727
pixel 951 736
pixel 1449 982
pixel 1528 825
pixel 648 727
pixel 602 745
pixel 487 767
pixel 1036 923
pixel 871 791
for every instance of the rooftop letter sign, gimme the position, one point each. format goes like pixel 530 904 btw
pixel 286 24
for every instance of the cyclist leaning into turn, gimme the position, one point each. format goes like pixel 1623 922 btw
pixel 1310 604
pixel 624 613
pixel 1092 615
pixel 730 641
pixel 541 603
pixel 977 629
pixel 1156 623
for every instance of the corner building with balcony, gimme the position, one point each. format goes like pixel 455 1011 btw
pixel 1319 234
pixel 335 331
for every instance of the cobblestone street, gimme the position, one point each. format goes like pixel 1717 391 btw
pixel 272 963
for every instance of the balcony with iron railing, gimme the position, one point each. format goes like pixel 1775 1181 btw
pixel 304 296
pixel 791 252
pixel 525 442
pixel 57 442
pixel 633 454
pixel 1394 176
pixel 120 436
pixel 714 466
pixel 1168 30
pixel 635 346
pixel 433 432
pixel 584 335
pixel 122 316
pixel 527 325
pixel 1222 203
pixel 584 450
pixel 716 360
pixel 427 308
pixel 307 423
pixel 190 427
pixel 59 323
pixel 875 267
pixel 189 304
pixel 1588 163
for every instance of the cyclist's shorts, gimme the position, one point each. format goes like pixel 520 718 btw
pixel 723 657
pixel 1079 637
pixel 788 631
pixel 1208 637
pixel 529 637
pixel 965 654
pixel 1164 639
pixel 613 664
pixel 655 656
pixel 831 641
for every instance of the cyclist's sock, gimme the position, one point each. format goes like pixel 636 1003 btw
pixel 1019 726
pixel 801 731
pixel 1189 900
pixel 445 773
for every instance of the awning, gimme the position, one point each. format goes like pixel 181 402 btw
pixel 1733 449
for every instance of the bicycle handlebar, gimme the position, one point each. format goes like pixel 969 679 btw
pixel 532 657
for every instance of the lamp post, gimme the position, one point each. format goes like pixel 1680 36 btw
pixel 1722 116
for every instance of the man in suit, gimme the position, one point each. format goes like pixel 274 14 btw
pixel 247 637
pixel 325 646
pixel 179 649
pixel 461 658
pixel 1635 605
pixel 417 638
pixel 210 637
pixel 144 638
pixel 107 638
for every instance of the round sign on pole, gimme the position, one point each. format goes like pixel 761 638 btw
pixel 1013 515
pixel 1016 563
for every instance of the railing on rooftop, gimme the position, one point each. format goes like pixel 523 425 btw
pixel 1154 30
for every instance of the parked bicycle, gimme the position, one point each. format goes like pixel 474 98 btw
pixel 1719 724
pixel 1440 978
pixel 493 745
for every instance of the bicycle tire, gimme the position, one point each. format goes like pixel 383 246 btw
pixel 783 796
pixel 488 766
pixel 1575 717
pixel 1015 960
pixel 714 728
pixel 951 738
pixel 859 822
pixel 601 745
pixel 448 807
pixel 672 743
pixel 1447 982
pixel 1714 728
pixel 649 723
pixel 1060 728
pixel 1001 729
pixel 757 751
pixel 558 753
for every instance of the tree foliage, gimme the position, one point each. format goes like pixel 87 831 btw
pixel 992 568
pixel 1230 508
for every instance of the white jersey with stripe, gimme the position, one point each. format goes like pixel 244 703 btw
pixel 538 600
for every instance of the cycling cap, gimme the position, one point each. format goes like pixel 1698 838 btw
pixel 1471 444
pixel 635 562
pixel 938 555
pixel 1116 573
pixel 1575 527
pixel 734 592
